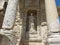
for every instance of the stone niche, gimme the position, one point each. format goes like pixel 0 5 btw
pixel 32 13
pixel 31 26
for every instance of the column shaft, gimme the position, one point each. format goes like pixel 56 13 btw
pixel 10 14
pixel 52 15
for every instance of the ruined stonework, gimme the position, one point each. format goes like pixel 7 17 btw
pixel 29 22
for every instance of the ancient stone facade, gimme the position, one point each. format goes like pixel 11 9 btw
pixel 29 22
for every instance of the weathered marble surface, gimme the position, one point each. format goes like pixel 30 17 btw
pixel 18 26
pixel 54 39
pixel 54 44
pixel 52 15
pixel 1 4
pixel 44 31
pixel 8 37
pixel 10 14
pixel 4 40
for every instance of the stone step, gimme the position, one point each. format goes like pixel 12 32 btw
pixel 54 37
pixel 34 37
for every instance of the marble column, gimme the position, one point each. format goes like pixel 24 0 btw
pixel 52 15
pixel 10 14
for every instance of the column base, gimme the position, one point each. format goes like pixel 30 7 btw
pixel 7 37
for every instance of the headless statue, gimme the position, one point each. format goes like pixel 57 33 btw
pixel 31 24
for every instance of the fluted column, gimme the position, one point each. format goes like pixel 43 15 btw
pixel 52 15
pixel 10 14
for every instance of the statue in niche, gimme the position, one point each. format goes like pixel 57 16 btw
pixel 31 22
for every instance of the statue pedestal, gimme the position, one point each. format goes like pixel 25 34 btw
pixel 33 36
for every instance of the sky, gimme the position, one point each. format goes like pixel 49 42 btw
pixel 58 2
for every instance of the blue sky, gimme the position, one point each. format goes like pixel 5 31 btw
pixel 58 2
